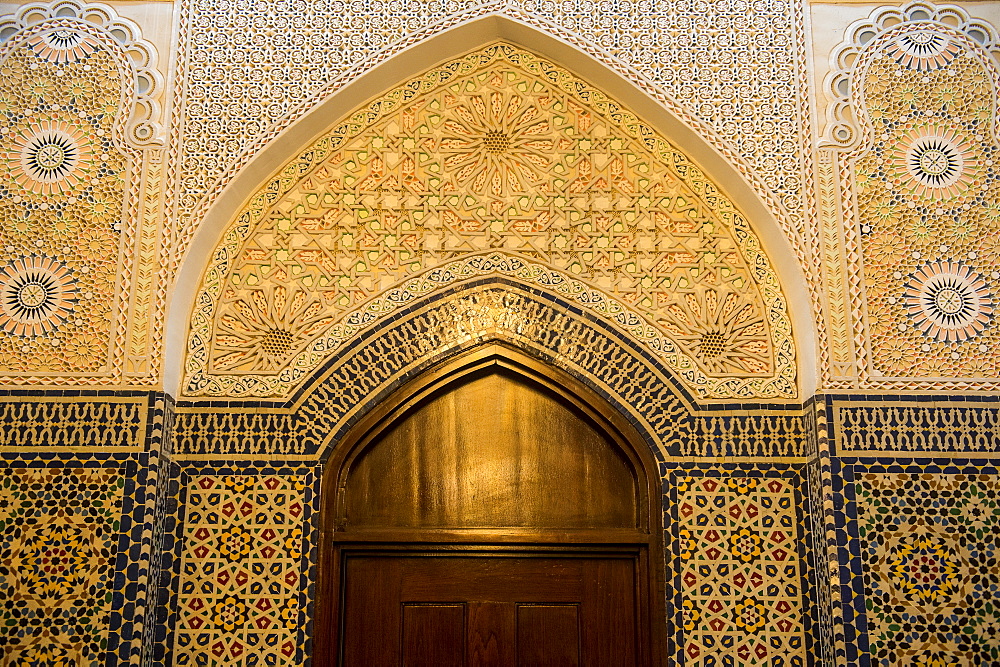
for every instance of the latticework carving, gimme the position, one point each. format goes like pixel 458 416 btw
pixel 739 80
pixel 916 128
pixel 498 162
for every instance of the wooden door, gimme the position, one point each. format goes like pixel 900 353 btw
pixel 483 611
pixel 492 512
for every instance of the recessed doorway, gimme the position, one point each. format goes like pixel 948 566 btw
pixel 493 511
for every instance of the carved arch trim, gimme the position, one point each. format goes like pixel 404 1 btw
pixel 202 251
pixel 532 319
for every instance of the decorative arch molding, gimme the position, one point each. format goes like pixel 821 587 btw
pixel 220 255
pixel 848 124
pixel 460 32
pixel 82 118
pixel 697 140
pixel 538 322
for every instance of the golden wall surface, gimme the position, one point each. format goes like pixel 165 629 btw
pixel 767 232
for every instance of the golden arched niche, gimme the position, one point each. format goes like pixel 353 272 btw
pixel 496 163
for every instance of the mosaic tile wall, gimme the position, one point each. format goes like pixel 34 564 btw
pixel 58 530
pixel 929 546
pixel 75 535
pixel 738 538
pixel 245 569
pixel 79 473
pixel 917 551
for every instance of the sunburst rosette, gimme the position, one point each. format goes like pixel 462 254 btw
pixel 933 163
pixel 37 295
pixel 497 143
pixel 948 301
pixel 923 48
pixel 48 157
pixel 63 45
pixel 266 327
pixel 721 330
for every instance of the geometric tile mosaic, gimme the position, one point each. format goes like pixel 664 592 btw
pixel 740 551
pixel 930 547
pixel 241 571
pixel 30 420
pixel 58 542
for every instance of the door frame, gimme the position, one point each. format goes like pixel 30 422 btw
pixel 644 544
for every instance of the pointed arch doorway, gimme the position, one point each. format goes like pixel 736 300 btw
pixel 493 511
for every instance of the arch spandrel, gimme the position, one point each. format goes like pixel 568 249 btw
pixel 497 162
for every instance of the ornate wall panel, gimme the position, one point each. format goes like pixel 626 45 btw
pixel 52 421
pixel 739 539
pixel 916 131
pixel 738 76
pixel 929 544
pixel 911 427
pixel 58 545
pixel 79 114
pixel 496 163
pixel 917 559
pixel 244 569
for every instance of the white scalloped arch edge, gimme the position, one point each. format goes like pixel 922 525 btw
pixel 845 121
pixel 144 125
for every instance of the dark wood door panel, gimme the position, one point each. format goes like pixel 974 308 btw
pixel 548 634
pixel 490 611
pixel 497 579
pixel 491 625
pixel 433 635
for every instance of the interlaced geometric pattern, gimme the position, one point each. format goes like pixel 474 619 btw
pixel 498 154
pixel 58 537
pixel 928 198
pixel 914 427
pixel 61 202
pixel 930 547
pixel 740 572
pixel 240 571
pixel 714 64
